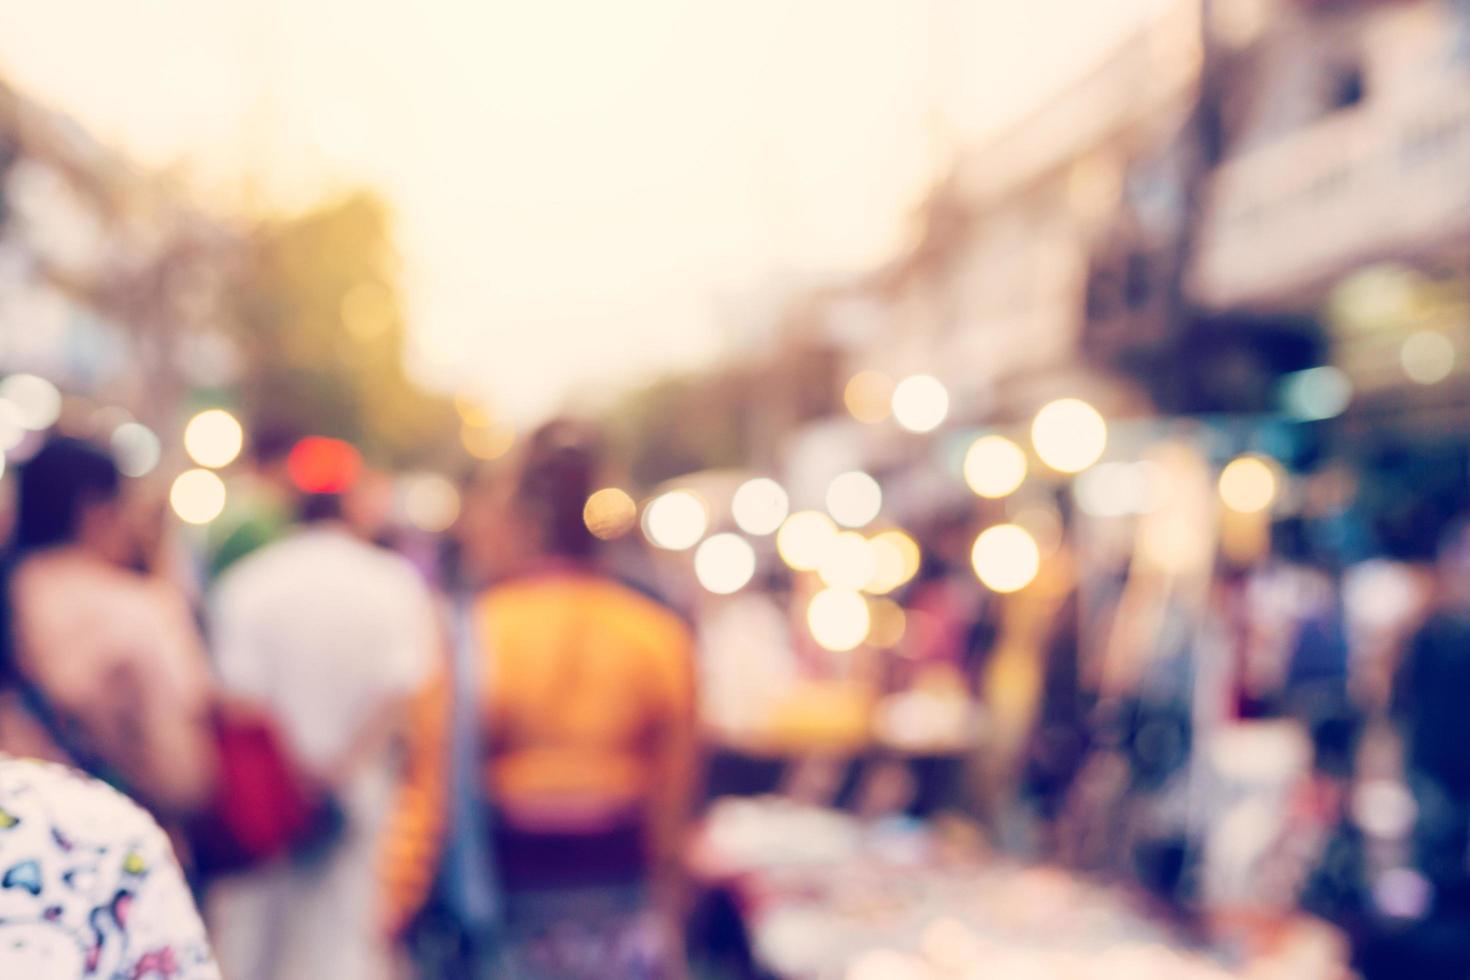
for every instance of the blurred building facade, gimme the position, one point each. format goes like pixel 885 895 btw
pixel 1242 191
pixel 1341 199
pixel 111 282
pixel 120 287
pixel 991 295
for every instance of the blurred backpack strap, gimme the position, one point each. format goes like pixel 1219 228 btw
pixel 63 735
pixel 34 701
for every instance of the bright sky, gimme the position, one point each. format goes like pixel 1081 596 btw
pixel 586 192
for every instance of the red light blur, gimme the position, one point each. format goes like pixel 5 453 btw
pixel 321 465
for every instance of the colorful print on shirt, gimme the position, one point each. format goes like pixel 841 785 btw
pixel 88 884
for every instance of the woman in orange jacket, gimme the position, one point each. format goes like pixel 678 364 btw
pixel 585 702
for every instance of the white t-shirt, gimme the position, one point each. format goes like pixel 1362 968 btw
pixel 324 630
pixel 88 884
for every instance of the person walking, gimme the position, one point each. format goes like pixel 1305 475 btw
pixel 103 665
pixel 330 635
pixel 584 748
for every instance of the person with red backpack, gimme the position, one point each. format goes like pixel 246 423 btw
pixel 329 635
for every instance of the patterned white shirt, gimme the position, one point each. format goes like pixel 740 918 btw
pixel 89 886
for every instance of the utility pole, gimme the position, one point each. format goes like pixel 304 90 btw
pixel 1204 149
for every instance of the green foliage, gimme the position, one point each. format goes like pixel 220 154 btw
pixel 320 327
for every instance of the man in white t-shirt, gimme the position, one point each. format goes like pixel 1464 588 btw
pixel 332 635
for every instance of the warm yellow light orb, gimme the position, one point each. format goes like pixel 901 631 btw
pixel 920 403
pixel 869 396
pixel 995 467
pixel 854 499
pixel 675 521
pixel 839 619
pixel 214 438
pixel 610 513
pixel 1248 484
pixel 1006 558
pixel 896 559
pixel 1069 435
pixel 803 539
pixel 197 496
pixel 724 563
pixel 759 506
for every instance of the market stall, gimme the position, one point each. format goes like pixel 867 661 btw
pixel 825 895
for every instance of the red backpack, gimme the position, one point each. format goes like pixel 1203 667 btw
pixel 264 806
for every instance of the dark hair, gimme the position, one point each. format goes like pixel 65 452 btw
pixel 561 463
pixel 272 441
pixel 315 508
pixel 55 487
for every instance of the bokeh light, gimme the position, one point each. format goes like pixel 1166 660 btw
pixel 848 563
pixel 135 448
pixel 197 496
pixel 1384 808
pixel 610 513
pixel 869 396
pixel 37 401
pixel 995 467
pixel 854 499
pixel 1006 558
pixel 12 429
pixel 1382 296
pixel 920 403
pixel 487 441
pixel 839 619
pixel 213 438
pixel 896 560
pixel 1428 357
pixel 1069 435
pixel 430 502
pixel 675 521
pixel 803 539
pixel 318 464
pixel 1248 484
pixel 724 563
pixel 888 623
pixel 759 506
pixel 1317 393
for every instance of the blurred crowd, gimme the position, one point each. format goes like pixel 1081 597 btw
pixel 323 726
pixel 382 752
pixel 1081 589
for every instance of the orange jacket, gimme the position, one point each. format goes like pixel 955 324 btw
pixel 588 700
